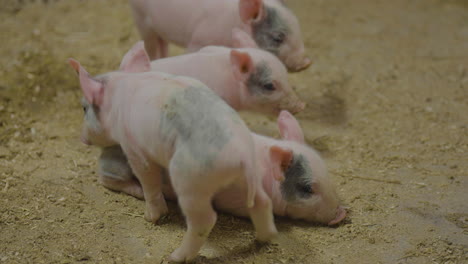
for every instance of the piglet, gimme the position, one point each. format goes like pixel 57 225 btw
pixel 300 188
pixel 196 24
pixel 165 122
pixel 246 78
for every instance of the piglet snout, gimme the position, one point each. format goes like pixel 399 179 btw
pixel 85 141
pixel 340 215
pixel 292 104
pixel 304 64
pixel 299 108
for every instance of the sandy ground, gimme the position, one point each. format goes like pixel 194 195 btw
pixel 387 107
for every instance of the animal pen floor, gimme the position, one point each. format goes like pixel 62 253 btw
pixel 387 107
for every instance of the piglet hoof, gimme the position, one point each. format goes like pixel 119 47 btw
pixel 178 256
pixel 154 212
pixel 266 237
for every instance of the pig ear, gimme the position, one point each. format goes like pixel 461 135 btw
pixel 289 127
pixel 281 159
pixel 250 10
pixel 93 90
pixel 242 64
pixel 240 39
pixel 136 59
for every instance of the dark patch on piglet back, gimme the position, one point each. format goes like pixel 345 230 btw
pixel 198 118
pixel 298 180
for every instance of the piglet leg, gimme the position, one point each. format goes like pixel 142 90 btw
pixel 200 218
pixel 163 48
pixel 149 175
pixel 150 38
pixel 196 42
pixel 262 216
pixel 152 45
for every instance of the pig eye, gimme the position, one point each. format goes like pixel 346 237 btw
pixel 85 109
pixel 269 87
pixel 279 38
pixel 305 188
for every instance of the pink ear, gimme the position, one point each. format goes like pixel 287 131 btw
pixel 280 160
pixel 93 90
pixel 289 127
pixel 75 65
pixel 250 10
pixel 136 59
pixel 240 39
pixel 242 64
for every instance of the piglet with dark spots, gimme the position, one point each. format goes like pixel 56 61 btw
pixel 300 188
pixel 196 24
pixel 176 124
pixel 246 78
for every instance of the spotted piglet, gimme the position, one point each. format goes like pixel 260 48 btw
pixel 164 122
pixel 300 188
pixel 247 78
pixel 196 24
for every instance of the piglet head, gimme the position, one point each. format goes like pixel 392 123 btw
pixel 93 91
pixel 276 29
pixel 263 82
pixel 94 88
pixel 305 187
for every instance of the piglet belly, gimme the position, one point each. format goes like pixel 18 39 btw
pixel 232 200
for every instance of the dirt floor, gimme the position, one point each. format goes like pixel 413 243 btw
pixel 387 107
